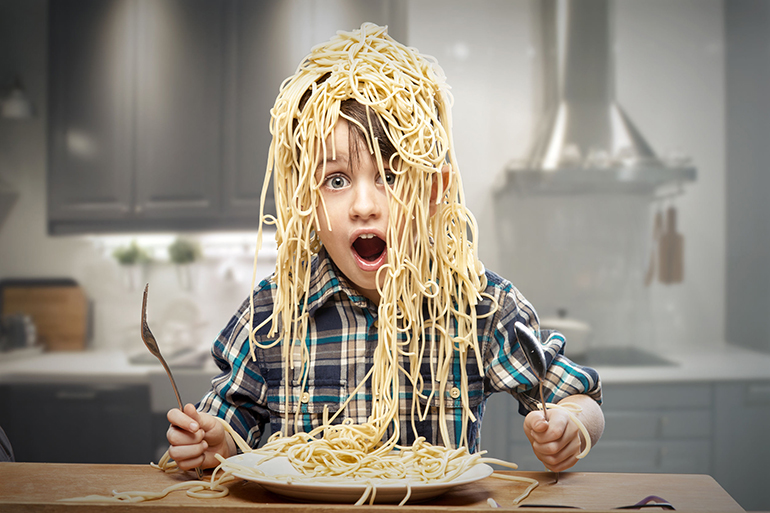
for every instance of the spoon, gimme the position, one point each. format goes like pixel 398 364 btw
pixel 152 345
pixel 535 356
pixel 533 352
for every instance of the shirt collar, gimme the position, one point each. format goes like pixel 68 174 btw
pixel 326 280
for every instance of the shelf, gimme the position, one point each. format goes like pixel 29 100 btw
pixel 619 180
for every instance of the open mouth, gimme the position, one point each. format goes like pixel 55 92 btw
pixel 369 247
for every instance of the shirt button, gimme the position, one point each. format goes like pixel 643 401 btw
pixel 305 397
pixel 454 393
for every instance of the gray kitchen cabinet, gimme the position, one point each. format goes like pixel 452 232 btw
pixel 260 37
pixel 90 111
pixel 715 428
pixel 78 423
pixel 741 446
pixel 159 113
pixel 178 109
pixel 655 428
pixel 649 428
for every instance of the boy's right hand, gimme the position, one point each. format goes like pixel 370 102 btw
pixel 195 437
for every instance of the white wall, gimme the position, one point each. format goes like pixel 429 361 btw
pixel 486 52
pixel 670 77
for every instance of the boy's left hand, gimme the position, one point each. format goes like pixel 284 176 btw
pixel 556 442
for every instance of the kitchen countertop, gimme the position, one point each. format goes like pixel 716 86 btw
pixel 74 366
pixel 713 365
pixel 110 367
pixel 113 366
pixel 34 487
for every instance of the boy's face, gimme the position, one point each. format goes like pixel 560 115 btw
pixel 357 206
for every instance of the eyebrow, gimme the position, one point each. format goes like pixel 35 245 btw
pixel 341 160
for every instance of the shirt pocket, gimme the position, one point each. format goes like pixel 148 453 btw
pixel 453 393
pixel 311 399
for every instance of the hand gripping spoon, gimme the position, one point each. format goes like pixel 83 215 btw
pixel 152 345
pixel 533 352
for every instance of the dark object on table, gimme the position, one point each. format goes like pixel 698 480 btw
pixel 6 451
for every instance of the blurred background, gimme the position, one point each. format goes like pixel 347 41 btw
pixel 615 154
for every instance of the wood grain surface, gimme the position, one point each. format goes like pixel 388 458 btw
pixel 60 313
pixel 39 487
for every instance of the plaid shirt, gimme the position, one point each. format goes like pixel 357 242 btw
pixel 342 336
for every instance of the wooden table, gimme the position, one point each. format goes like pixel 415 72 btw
pixel 38 487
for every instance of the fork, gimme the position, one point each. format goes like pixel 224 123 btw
pixel 152 345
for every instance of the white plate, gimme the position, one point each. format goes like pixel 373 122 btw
pixel 388 490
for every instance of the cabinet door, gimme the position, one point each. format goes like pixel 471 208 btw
pixel 78 423
pixel 741 446
pixel 261 53
pixel 90 108
pixel 664 427
pixel 178 108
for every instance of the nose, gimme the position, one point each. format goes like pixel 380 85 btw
pixel 366 201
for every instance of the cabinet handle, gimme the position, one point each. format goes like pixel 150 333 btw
pixel 758 394
pixel 76 395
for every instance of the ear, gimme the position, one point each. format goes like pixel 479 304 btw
pixel 434 196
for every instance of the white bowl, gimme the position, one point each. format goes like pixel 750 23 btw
pixel 576 332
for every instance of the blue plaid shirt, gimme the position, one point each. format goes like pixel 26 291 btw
pixel 342 337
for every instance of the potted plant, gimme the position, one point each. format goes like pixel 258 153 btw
pixel 132 259
pixel 183 253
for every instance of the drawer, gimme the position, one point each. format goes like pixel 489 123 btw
pixel 649 425
pixel 645 425
pixel 678 457
pixel 657 396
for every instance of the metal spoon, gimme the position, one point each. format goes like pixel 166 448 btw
pixel 152 345
pixel 535 356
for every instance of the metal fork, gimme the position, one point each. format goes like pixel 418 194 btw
pixel 152 345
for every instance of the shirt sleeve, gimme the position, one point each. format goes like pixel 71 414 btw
pixel 506 367
pixel 238 393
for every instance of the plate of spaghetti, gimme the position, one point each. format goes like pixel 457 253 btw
pixel 278 475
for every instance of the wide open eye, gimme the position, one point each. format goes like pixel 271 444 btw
pixel 390 178
pixel 336 182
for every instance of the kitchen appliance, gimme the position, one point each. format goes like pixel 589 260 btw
pixel 586 141
pixel 58 308
pixel 576 332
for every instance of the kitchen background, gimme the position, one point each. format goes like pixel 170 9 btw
pixel 159 101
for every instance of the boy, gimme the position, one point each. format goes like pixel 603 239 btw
pixel 379 312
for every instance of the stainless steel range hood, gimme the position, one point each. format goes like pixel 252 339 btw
pixel 587 142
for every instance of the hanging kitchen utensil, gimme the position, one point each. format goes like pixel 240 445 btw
pixel 657 231
pixel 671 251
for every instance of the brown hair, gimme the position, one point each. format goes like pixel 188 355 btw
pixel 362 115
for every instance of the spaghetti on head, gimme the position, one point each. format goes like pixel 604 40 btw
pixel 397 101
